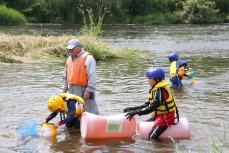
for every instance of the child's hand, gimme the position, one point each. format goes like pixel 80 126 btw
pixel 126 110
pixel 56 125
pixel 131 114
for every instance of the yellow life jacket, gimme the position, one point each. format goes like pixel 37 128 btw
pixel 79 103
pixel 181 72
pixel 173 69
pixel 169 104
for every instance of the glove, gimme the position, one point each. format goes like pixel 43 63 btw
pixel 128 109
pixel 131 114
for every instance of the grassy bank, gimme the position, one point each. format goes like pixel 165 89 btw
pixel 28 49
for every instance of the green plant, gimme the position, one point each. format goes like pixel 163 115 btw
pixel 200 11
pixel 10 16
pixel 175 145
pixel 93 19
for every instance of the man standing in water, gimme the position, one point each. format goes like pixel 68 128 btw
pixel 80 75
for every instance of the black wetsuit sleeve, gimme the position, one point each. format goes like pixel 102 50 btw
pixel 152 106
pixel 51 116
pixel 142 106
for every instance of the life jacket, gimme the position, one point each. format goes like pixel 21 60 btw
pixel 176 70
pixel 166 106
pixel 79 103
pixel 76 70
pixel 181 72
pixel 173 69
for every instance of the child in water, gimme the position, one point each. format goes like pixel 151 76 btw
pixel 161 104
pixel 178 69
pixel 69 104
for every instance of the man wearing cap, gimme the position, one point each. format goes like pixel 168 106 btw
pixel 80 75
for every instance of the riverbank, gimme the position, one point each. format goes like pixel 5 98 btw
pixel 30 48
pixel 125 12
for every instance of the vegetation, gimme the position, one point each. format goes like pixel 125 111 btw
pixel 200 11
pixel 93 20
pixel 124 11
pixel 11 16
pixel 214 146
pixel 27 48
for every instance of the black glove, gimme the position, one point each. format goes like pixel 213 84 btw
pixel 131 114
pixel 127 109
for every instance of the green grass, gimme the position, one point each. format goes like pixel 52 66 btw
pixel 5 59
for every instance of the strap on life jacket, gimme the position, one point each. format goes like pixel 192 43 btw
pixel 168 108
pixel 177 116
pixel 62 116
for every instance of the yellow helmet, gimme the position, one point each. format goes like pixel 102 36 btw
pixel 56 103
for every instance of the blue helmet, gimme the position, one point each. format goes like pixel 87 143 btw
pixel 183 63
pixel 173 57
pixel 156 73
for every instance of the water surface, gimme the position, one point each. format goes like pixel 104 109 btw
pixel 25 88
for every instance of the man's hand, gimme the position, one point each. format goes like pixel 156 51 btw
pixel 86 95
pixel 65 90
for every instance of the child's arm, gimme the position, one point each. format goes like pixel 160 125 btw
pixel 127 109
pixel 51 116
pixel 152 106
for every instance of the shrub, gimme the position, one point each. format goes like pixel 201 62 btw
pixel 199 11
pixel 10 16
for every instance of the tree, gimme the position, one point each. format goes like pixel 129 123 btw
pixel 199 11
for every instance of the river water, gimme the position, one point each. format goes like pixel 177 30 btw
pixel 25 88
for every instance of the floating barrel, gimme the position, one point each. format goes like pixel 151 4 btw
pixel 117 126
pixel 178 131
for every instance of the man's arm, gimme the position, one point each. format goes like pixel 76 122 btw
pixel 91 72
pixel 65 89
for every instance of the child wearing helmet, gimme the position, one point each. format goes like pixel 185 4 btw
pixel 178 70
pixel 69 104
pixel 160 103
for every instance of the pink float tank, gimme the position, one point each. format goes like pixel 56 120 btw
pixel 116 126
pixel 178 131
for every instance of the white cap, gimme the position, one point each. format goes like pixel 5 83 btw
pixel 73 43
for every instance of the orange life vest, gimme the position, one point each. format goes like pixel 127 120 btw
pixel 76 70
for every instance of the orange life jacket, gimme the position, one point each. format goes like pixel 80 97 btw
pixel 76 70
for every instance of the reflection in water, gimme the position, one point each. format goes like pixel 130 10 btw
pixel 67 141
pixel 26 144
pixel 25 88
pixel 106 145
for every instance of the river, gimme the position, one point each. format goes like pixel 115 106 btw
pixel 25 88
